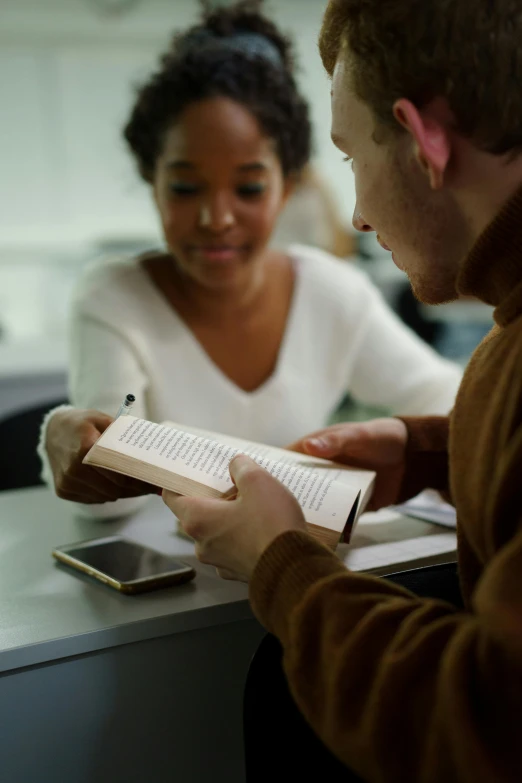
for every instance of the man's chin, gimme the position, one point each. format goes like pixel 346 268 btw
pixel 431 289
pixel 431 292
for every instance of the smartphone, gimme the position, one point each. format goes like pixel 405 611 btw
pixel 125 565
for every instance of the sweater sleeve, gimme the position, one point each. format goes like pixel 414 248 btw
pixel 103 369
pixel 399 688
pixel 393 368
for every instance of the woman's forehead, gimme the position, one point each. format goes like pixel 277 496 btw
pixel 217 127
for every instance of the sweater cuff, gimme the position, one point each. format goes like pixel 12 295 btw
pixel 46 473
pixel 280 579
pixel 426 456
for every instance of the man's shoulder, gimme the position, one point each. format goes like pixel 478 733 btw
pixel 501 349
pixel 506 356
pixel 491 391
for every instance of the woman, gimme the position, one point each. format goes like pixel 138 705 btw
pixel 221 331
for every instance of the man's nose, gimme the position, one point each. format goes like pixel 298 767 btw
pixel 359 223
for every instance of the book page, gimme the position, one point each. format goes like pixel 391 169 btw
pixel 359 480
pixel 325 501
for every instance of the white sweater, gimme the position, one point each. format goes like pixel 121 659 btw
pixel 340 337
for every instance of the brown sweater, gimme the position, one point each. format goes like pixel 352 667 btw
pixel 407 689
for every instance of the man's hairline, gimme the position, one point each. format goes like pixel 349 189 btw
pixel 380 127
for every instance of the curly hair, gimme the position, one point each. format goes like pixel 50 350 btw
pixel 468 51
pixel 204 63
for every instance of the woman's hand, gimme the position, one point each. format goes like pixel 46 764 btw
pixel 70 435
pixel 378 445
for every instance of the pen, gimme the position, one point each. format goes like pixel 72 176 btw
pixel 126 405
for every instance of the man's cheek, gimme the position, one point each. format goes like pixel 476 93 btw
pixel 377 204
pixel 363 190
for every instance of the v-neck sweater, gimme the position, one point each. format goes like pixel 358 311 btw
pixel 340 338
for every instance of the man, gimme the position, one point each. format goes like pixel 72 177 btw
pixel 426 104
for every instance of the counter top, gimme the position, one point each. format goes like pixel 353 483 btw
pixel 48 612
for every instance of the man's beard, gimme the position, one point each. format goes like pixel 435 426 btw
pixel 434 278
pixel 440 239
pixel 430 293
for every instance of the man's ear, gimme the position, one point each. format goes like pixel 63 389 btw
pixel 429 128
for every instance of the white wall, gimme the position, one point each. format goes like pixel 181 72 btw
pixel 66 79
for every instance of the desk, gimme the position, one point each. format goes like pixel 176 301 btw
pixel 98 686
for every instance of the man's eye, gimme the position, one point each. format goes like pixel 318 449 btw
pixel 183 189
pixel 254 189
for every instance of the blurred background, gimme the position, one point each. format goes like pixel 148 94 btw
pixel 69 191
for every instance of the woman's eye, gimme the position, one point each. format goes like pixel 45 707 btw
pixel 183 189
pixel 254 189
pixel 348 160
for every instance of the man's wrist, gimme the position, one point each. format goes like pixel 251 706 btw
pixel 292 564
pixel 426 455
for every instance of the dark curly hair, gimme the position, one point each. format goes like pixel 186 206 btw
pixel 203 63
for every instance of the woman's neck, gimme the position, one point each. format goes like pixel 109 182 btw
pixel 213 305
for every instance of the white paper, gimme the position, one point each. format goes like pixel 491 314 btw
pixel 430 507
pixel 398 552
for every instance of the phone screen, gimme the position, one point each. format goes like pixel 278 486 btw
pixel 125 561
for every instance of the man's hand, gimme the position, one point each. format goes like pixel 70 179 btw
pixel 233 534
pixel 378 445
pixel 70 435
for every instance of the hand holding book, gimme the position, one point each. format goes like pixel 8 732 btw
pixel 70 435
pixel 196 463
pixel 378 445
pixel 233 536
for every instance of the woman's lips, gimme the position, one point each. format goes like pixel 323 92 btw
pixel 220 254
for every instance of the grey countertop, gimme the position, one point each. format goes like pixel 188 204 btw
pixel 48 612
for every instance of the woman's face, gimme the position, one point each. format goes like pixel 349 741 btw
pixel 219 189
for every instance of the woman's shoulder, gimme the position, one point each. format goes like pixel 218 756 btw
pixel 108 272
pixel 109 284
pixel 331 279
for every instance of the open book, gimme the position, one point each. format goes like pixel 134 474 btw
pixel 195 462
